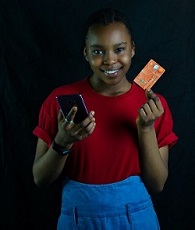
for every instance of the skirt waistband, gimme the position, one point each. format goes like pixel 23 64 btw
pixel 128 191
pixel 130 180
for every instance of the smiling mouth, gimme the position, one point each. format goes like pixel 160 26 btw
pixel 110 72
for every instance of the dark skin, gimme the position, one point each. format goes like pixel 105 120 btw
pixel 48 165
pixel 108 50
pixel 154 161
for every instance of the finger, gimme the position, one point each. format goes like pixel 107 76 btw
pixel 143 115
pixel 70 117
pixel 150 94
pixel 146 112
pixel 89 129
pixel 158 103
pixel 82 134
pixel 155 104
pixel 92 128
pixel 152 106
pixel 60 116
pixel 86 127
pixel 152 110
pixel 87 120
pixel 83 129
pixel 69 121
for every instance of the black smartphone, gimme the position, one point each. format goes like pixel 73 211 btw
pixel 66 102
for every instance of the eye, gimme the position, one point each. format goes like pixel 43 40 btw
pixel 98 52
pixel 119 50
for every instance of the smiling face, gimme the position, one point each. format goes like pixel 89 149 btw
pixel 109 51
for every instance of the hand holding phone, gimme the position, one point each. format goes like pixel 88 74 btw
pixel 66 103
pixel 149 75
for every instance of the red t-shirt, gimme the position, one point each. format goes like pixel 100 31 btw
pixel 110 154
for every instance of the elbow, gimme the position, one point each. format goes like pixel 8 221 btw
pixel 154 188
pixel 156 185
pixel 38 180
pixel 42 180
pixel 157 188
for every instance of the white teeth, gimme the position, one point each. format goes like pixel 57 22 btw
pixel 111 71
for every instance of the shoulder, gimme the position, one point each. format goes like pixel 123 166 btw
pixel 74 87
pixel 71 88
pixel 141 94
pixel 50 103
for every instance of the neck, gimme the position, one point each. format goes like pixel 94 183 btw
pixel 110 90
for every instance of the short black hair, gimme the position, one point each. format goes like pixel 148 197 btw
pixel 106 16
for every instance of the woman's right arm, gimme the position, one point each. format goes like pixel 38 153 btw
pixel 48 164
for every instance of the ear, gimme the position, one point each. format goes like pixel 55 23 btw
pixel 85 53
pixel 132 52
pixel 133 49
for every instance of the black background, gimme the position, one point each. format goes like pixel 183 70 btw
pixel 41 48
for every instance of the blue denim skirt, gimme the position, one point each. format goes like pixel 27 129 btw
pixel 121 205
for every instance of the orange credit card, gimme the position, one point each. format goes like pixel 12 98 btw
pixel 149 75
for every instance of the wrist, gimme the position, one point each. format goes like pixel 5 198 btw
pixel 62 144
pixel 61 150
pixel 60 140
pixel 145 128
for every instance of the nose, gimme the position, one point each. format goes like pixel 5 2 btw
pixel 110 58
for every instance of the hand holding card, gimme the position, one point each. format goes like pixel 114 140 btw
pixel 149 75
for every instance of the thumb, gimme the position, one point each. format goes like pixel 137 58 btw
pixel 149 94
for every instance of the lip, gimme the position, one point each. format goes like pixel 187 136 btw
pixel 111 72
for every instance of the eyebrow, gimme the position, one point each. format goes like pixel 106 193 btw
pixel 116 45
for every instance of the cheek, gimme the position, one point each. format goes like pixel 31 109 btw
pixel 95 62
pixel 126 60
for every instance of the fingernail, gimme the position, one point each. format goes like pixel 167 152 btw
pixel 149 90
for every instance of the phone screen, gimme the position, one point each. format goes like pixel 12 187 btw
pixel 66 102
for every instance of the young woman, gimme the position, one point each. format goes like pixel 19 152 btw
pixel 120 151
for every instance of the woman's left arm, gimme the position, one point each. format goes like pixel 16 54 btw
pixel 154 161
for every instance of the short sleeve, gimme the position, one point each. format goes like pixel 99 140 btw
pixel 47 126
pixel 164 127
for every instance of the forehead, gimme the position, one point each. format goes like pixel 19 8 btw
pixel 104 35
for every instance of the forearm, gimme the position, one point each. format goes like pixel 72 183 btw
pixel 48 167
pixel 154 169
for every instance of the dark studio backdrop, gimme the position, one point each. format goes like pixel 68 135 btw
pixel 40 49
